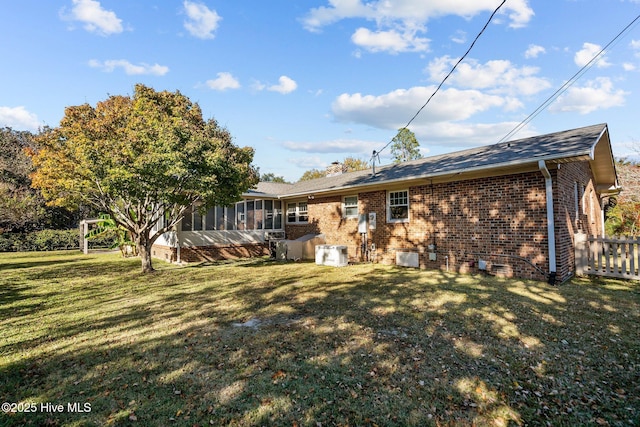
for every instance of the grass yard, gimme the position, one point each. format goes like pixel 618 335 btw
pixel 255 342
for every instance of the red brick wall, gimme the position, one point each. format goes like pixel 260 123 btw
pixel 164 252
pixel 498 219
pixel 588 220
pixel 325 217
pixel 501 220
pixel 214 253
pixel 209 253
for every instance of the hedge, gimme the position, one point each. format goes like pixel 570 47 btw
pixel 47 240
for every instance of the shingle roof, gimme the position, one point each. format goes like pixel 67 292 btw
pixel 569 145
pixel 269 189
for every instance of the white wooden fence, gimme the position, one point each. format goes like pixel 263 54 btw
pixel 608 256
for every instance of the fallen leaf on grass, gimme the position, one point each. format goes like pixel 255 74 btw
pixel 278 375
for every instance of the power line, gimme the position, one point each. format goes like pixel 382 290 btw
pixel 567 84
pixel 377 153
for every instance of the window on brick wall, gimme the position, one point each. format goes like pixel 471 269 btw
pixel 297 212
pixel 398 206
pixel 350 207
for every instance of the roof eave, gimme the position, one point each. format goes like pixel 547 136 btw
pixel 516 166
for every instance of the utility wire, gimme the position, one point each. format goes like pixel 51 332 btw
pixel 567 84
pixel 376 154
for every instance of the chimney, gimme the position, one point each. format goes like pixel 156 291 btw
pixel 336 168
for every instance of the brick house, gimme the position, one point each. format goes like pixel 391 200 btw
pixel 510 209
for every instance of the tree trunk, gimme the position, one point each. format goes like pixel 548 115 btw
pixel 144 249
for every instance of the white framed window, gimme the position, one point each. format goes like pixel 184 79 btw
pixel 303 213
pixel 350 207
pixel 398 206
pixel 297 212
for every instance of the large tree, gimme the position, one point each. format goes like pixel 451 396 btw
pixel 21 207
pixel 405 146
pixel 144 160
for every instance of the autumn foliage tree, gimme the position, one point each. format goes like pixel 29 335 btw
pixel 144 160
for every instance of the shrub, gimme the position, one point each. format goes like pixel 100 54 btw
pixel 47 240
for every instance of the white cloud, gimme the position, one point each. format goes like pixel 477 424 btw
pixel 496 76
pixel 391 41
pixel 18 118
pixel 595 95
pixel 202 22
pixel 587 53
pixel 129 68
pixel 397 21
pixel 223 82
pixel 334 146
pixel 314 162
pixel 411 12
pixel 463 135
pixel 258 86
pixel 635 45
pixel 533 51
pixel 285 85
pixel 628 66
pixel 460 37
pixel 393 109
pixel 95 18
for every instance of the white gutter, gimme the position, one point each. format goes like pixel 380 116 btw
pixel 550 220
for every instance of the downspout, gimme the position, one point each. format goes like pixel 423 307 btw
pixel 602 218
pixel 551 234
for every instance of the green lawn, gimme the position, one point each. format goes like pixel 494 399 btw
pixel 257 342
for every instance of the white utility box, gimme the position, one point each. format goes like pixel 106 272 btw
pixel 407 259
pixel 333 255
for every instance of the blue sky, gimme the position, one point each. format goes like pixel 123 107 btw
pixel 310 82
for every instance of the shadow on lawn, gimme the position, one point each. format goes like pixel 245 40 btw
pixel 38 263
pixel 285 345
